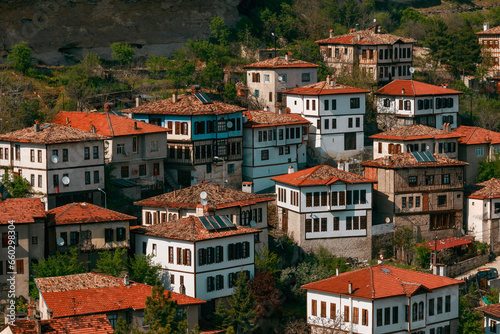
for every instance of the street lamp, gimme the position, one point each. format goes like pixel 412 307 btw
pixel 105 197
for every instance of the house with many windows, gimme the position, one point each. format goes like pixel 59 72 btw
pixel 271 144
pixel 89 324
pixel 421 191
pixel 244 208
pixel 326 207
pixel 206 139
pixel 384 299
pixel 336 113
pixel 491 315
pixel 475 146
pixel 267 79
pixel 202 256
pixel 384 57
pixel 22 226
pixel 405 102
pixel 489 39
pixel 136 150
pixel 483 212
pixel 89 227
pixel 62 164
pixel 94 294
pixel 416 138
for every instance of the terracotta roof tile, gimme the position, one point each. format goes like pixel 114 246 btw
pixel 105 124
pixel 320 175
pixel 190 197
pixel 415 132
pixel 280 62
pixel 368 36
pixel 323 88
pixel 190 229
pixel 186 104
pixel 91 293
pixel 491 31
pixel 21 210
pixel 262 118
pixel 473 135
pixel 493 309
pixel 484 190
pixel 407 160
pixel 50 133
pixel 414 88
pixel 89 324
pixel 84 213
pixel 381 281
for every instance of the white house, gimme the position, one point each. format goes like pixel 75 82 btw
pixel 416 138
pixel 241 206
pixel 63 164
pixel 271 144
pixel 491 318
pixel 325 206
pixel 483 212
pixel 405 102
pixel 202 256
pixel 136 149
pixel 267 79
pixel 336 113
pixel 384 299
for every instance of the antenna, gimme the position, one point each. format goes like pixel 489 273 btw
pixel 54 159
pixel 65 180
pixel 60 242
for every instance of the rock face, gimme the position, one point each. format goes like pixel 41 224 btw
pixel 61 31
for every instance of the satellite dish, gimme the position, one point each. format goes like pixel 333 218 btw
pixel 252 223
pixel 60 241
pixel 203 195
pixel 280 78
pixel 204 202
pixel 374 20
pixel 427 147
pixel 55 159
pixel 65 180
pixel 412 70
pixel 229 124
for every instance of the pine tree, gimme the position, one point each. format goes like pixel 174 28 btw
pixel 161 313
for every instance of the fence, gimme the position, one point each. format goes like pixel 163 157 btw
pixel 465 266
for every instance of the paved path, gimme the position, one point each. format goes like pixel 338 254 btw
pixel 494 264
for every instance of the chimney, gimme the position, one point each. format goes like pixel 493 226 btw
pixel 486 26
pixel 174 194
pixel 137 101
pixel 195 89
pixel 333 82
pixel 290 170
pixel 235 219
pixel 67 120
pixel 336 271
pixel 92 128
pixel 37 126
pixel 107 107
pixel 350 288
pixel 403 91
pixel 359 37
pixel 247 187
pixel 174 97
pixel 328 80
pixel 200 210
pixel 135 125
pixel 379 29
pixel 331 33
pixel 126 281
pixel 288 56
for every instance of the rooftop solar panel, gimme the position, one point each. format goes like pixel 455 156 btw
pixel 212 223
pixel 428 156
pixel 206 223
pixel 417 157
pixel 203 98
pixel 423 156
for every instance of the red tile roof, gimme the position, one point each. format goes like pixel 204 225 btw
pixel 191 229
pixel 323 88
pixel 186 104
pixel 415 132
pixel 473 135
pixel 485 190
pixel 262 118
pixel 89 324
pixel 84 213
pixel 493 309
pixel 320 175
pixel 105 124
pixel 95 293
pixel 414 88
pixel 381 281
pixel 21 210
pixel 189 197
pixel 50 133
pixel 280 62
pixel 447 242
pixel 407 160
pixel 491 31
pixel 368 36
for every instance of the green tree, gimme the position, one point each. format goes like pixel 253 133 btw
pixel 16 185
pixel 267 261
pixel 20 57
pixel 423 256
pixel 241 313
pixel 156 64
pixel 470 321
pixel 488 169
pixel 266 294
pixel 211 76
pixel 143 270
pixel 123 53
pixel 403 238
pixel 161 313
pixel 112 262
pixel 230 93
pixel 219 33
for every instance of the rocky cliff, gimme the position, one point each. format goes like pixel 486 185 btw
pixel 60 31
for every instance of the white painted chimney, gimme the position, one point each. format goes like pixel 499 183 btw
pixel 486 26
pixel 350 288
pixel 126 281
pixel 137 101
pixel 328 80
pixel 336 271
pixel 291 170
pixel 288 56
pixel 331 33
pixel 174 97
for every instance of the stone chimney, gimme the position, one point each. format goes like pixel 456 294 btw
pixel 288 56
pixel 36 127
pixel 486 26
pixel 107 107
pixel 291 170
pixel 331 33
pixel 126 281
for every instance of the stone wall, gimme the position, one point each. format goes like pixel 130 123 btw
pixel 60 31
pixel 465 266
